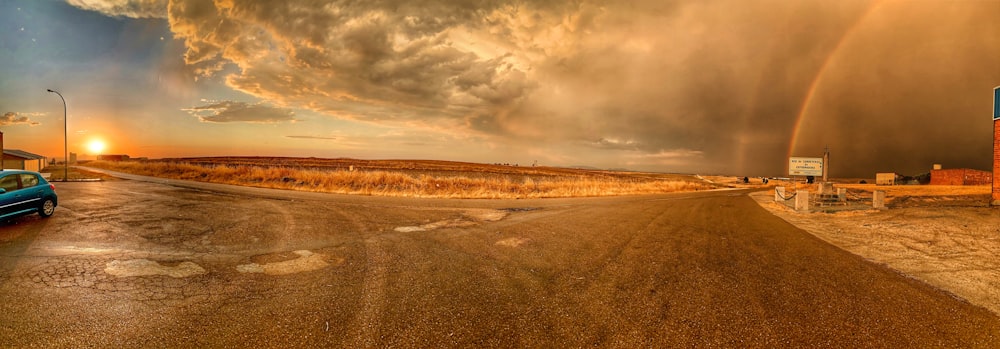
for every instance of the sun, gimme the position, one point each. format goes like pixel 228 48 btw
pixel 96 146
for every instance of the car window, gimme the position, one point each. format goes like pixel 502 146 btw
pixel 28 180
pixel 9 182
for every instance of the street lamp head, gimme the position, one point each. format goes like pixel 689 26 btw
pixel 50 90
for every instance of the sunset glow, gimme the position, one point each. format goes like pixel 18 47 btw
pixel 96 146
pixel 691 86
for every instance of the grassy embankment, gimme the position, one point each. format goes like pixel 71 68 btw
pixel 58 173
pixel 412 179
pixel 923 190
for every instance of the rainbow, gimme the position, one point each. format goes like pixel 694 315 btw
pixel 817 80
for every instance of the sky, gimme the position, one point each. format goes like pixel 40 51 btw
pixel 707 86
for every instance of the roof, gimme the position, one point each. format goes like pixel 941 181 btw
pixel 959 169
pixel 22 154
pixel 9 171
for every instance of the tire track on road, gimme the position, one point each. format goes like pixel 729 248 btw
pixel 363 331
pixel 288 224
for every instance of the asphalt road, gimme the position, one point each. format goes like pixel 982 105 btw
pixel 170 264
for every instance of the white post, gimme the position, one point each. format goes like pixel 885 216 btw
pixel 878 200
pixel 802 201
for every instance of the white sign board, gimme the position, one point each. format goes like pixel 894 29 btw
pixel 805 166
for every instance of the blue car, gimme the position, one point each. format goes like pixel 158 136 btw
pixel 26 192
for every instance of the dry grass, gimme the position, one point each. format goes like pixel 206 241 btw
pixel 922 190
pixel 57 172
pixel 431 179
pixel 851 184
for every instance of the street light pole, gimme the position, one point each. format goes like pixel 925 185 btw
pixel 65 136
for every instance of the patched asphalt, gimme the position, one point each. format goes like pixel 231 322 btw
pixel 139 264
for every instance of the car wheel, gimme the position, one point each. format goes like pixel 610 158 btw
pixel 48 208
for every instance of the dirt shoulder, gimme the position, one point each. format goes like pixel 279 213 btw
pixel 950 242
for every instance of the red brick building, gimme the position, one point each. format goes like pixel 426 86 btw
pixel 113 157
pixel 961 176
pixel 996 157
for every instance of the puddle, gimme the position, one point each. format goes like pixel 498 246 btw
pixel 487 215
pixel 471 217
pixel 145 267
pixel 305 261
pixel 451 223
pixel 79 250
pixel 512 242
pixel 519 209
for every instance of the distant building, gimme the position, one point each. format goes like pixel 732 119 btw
pixel 72 158
pixel 113 157
pixel 14 159
pixel 886 178
pixel 960 176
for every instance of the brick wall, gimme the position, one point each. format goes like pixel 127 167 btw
pixel 960 176
pixel 996 162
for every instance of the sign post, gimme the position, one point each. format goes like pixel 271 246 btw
pixel 826 164
pixel 805 166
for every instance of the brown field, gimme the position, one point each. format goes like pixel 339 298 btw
pixel 409 178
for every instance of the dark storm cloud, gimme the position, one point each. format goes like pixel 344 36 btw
pixel 15 118
pixel 713 85
pixel 669 77
pixel 229 111
pixel 383 55
pixel 903 102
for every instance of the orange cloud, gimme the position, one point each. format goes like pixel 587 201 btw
pixel 16 118
pixel 229 111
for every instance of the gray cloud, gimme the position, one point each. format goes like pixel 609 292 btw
pixel 16 118
pixel 229 111
pixel 615 144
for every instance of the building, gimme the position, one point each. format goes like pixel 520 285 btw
pixel 960 176
pixel 113 157
pixel 886 178
pixel 14 159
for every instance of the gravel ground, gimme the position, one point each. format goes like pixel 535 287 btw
pixel 950 242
